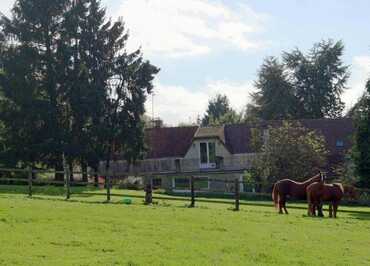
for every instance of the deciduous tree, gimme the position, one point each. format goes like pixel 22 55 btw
pixel 319 78
pixel 290 151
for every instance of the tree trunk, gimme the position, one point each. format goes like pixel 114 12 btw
pixel 33 173
pixel 71 176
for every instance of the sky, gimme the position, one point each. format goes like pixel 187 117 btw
pixel 205 47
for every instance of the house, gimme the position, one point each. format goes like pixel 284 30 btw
pixel 219 153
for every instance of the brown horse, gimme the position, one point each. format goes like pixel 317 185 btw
pixel 319 192
pixel 289 188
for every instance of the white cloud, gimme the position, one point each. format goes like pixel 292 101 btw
pixel 360 73
pixel 192 27
pixel 5 6
pixel 175 104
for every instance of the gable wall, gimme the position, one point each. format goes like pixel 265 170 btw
pixel 194 150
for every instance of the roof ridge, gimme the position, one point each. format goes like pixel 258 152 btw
pixel 172 127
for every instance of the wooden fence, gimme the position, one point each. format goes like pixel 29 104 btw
pixel 364 194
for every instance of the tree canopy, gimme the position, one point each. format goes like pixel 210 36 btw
pixel 303 85
pixel 361 150
pixel 290 151
pixel 69 86
pixel 274 98
pixel 219 112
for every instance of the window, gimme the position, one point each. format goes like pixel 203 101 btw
pixel 181 183
pixel 203 153
pixel 207 155
pixel 339 143
pixel 201 183
pixel 177 165
pixel 211 152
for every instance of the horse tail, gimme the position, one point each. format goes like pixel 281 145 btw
pixel 275 195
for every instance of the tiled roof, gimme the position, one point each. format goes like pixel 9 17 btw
pixel 238 136
pixel 175 142
pixel 169 142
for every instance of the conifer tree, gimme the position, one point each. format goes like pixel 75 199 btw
pixel 274 98
pixel 361 152
pixel 70 86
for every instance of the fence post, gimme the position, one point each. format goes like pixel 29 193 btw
pixel 30 181
pixel 237 194
pixel 68 184
pixel 148 192
pixel 192 203
pixel 107 184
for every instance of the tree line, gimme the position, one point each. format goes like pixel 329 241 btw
pixel 68 86
pixel 70 89
pixel 300 86
pixel 295 86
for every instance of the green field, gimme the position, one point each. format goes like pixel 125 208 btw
pixel 47 230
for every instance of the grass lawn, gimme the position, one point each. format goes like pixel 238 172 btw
pixel 47 230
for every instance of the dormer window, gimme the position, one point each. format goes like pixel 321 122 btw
pixel 339 143
pixel 207 155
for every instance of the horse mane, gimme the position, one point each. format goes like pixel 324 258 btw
pixel 309 181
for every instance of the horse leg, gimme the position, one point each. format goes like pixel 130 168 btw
pixel 311 209
pixel 281 203
pixel 330 210
pixel 311 206
pixel 286 211
pixel 319 210
pixel 335 208
pixel 280 207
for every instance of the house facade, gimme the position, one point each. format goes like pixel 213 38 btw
pixel 211 154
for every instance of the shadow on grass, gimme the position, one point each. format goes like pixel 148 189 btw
pixel 45 190
pixel 360 215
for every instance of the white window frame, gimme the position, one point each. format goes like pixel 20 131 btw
pixel 206 178
pixel 174 186
pixel 207 165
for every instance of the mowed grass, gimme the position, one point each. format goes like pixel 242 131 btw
pixel 47 230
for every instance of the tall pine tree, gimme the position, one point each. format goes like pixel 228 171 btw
pixel 67 68
pixel 218 107
pixel 274 98
pixel 31 107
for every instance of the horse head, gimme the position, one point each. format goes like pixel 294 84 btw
pixel 322 176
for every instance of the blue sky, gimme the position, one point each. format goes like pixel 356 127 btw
pixel 204 47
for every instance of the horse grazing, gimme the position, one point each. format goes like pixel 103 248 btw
pixel 289 188
pixel 319 192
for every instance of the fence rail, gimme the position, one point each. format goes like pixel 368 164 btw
pixel 109 176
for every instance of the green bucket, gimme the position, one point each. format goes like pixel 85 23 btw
pixel 127 201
